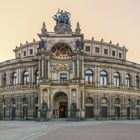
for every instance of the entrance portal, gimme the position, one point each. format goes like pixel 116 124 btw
pixel 104 108
pixel 103 111
pixel 117 112
pixel 60 105
pixel 128 112
pixel 89 107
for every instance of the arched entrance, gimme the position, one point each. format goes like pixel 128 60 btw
pixel 25 108
pixel 104 108
pixel 60 105
pixel 13 108
pixel 117 107
pixel 89 107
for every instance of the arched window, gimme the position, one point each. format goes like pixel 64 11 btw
pixel 61 51
pixel 89 100
pixel 116 79
pixel 103 78
pixel 24 101
pixel 104 101
pixel 25 77
pixel 36 76
pixel 14 78
pixel 137 82
pixel 127 80
pixel 89 76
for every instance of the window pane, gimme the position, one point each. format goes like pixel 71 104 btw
pixel 97 50
pixel 63 76
pixel 105 51
pixel 113 53
pixel 26 78
pixel 89 76
pixel 87 48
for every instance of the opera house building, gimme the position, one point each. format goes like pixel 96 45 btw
pixel 64 75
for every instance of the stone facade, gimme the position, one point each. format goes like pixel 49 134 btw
pixel 63 68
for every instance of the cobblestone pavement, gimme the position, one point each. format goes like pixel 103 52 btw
pixel 61 130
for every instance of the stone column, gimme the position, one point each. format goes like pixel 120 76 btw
pixel 30 75
pixel 8 78
pixel 43 64
pixel 83 72
pixel 96 105
pixel 69 101
pixel 112 109
pixel 40 68
pixel 123 79
pixel 98 76
pixel 82 104
pixel 0 79
pixel 133 80
pixel 48 74
pixel 51 106
pixel 73 70
pixel 33 75
pixel 78 68
pixel 111 77
pixel 139 81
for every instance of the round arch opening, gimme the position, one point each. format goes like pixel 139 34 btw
pixel 60 105
pixel 104 105
pixel 61 51
pixel 89 107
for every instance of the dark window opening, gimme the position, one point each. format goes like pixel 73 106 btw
pixel 97 50
pixel 105 51
pixel 24 53
pixel 87 48
pixel 31 51
pixel 63 77
pixel 120 55
pixel 113 53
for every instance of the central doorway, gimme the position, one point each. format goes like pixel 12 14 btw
pixel 60 105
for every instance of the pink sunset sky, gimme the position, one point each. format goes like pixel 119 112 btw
pixel 116 20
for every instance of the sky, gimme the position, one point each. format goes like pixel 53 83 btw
pixel 115 20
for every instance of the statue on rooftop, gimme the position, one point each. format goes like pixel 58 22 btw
pixel 63 24
pixel 62 17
